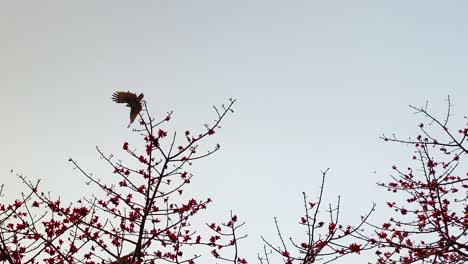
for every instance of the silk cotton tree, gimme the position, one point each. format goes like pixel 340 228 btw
pixel 326 238
pixel 144 215
pixel 430 211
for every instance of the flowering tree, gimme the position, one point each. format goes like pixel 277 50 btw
pixel 326 240
pixel 430 220
pixel 143 215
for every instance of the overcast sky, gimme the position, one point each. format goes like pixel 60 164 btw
pixel 317 83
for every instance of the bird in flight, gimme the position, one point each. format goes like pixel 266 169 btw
pixel 132 100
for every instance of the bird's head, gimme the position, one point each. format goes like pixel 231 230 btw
pixel 140 97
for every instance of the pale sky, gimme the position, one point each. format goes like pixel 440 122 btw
pixel 317 83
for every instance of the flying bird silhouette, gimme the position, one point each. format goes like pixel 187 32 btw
pixel 132 100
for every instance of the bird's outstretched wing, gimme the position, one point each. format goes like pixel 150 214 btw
pixel 124 97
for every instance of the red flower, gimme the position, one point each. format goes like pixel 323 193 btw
pixel 162 133
pixel 382 235
pixel 116 241
pixel 320 243
pixel 149 148
pixel 125 146
pixel 142 159
pixel 73 248
pixel 241 261
pixel 355 248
